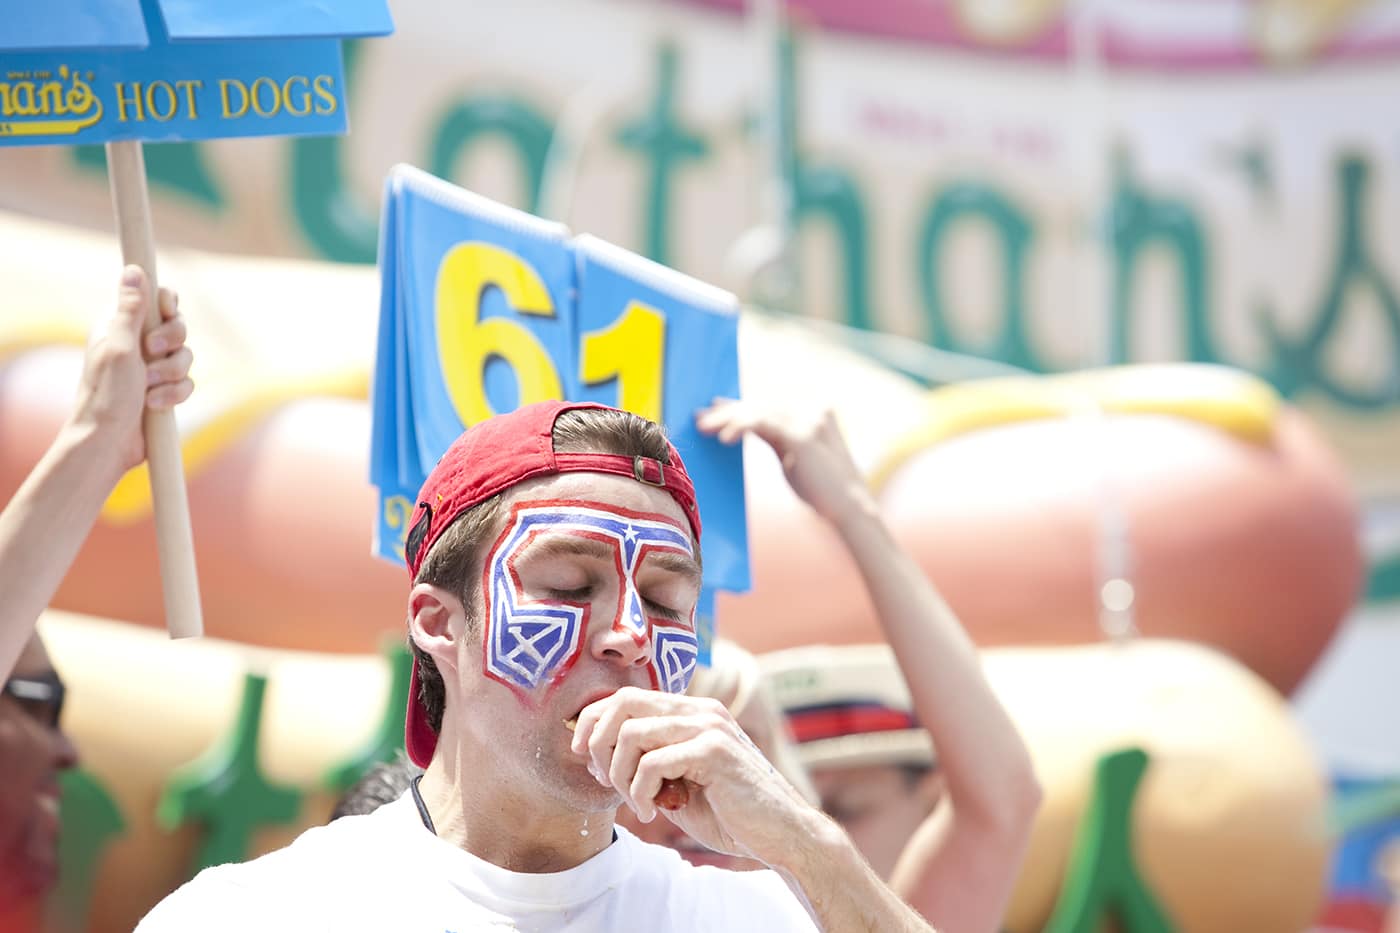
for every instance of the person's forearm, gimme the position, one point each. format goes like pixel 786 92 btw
pixel 985 763
pixel 840 889
pixel 44 525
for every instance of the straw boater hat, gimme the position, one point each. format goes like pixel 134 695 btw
pixel 847 706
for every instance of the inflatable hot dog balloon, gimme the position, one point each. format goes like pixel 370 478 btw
pixel 1239 525
pixel 1240 528
pixel 1233 800
pixel 1228 821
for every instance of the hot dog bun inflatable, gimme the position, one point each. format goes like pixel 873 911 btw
pixel 1241 531
pixel 140 708
pixel 1228 820
pixel 276 438
pixel 1230 779
pixel 1240 527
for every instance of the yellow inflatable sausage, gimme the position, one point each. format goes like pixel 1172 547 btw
pixel 1239 525
pixel 1228 821
pixel 997 487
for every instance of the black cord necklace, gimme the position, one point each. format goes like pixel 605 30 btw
pixel 427 817
pixel 422 807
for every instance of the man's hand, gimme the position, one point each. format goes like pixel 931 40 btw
pixel 125 373
pixel 738 803
pixel 814 455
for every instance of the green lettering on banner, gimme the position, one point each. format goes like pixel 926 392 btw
pixel 1255 163
pixel 176 168
pixel 388 737
pixel 337 226
pixel 967 201
pixel 1298 363
pixel 1383 582
pixel 1138 222
pixel 668 145
pixel 225 792
pixel 828 191
pixel 1102 887
pixel 823 190
pixel 90 821
pixel 509 118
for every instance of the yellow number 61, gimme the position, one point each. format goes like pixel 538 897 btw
pixel 631 349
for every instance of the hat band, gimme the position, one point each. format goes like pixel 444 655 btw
pixel 813 723
pixel 643 469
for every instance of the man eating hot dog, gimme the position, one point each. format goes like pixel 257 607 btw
pixel 555 560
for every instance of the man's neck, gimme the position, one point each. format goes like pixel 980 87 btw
pixel 478 813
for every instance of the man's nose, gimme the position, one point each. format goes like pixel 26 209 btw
pixel 627 641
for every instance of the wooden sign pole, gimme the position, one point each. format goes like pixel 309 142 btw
pixel 126 171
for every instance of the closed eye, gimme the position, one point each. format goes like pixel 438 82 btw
pixel 577 595
pixel 666 612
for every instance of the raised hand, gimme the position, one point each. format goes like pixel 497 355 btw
pixel 813 453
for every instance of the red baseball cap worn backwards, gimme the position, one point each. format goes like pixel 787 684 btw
pixel 490 458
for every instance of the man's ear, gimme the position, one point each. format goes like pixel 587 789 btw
pixel 436 623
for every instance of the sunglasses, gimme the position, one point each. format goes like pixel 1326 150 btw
pixel 41 697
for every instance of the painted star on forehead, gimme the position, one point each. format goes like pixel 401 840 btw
pixel 630 534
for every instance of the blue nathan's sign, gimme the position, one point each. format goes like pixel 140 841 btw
pixel 290 88
pixel 91 72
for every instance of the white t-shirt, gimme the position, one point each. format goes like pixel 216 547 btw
pixel 385 872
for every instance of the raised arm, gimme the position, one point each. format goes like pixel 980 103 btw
pixel 44 525
pixel 959 868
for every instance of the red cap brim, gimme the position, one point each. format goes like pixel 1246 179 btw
pixel 418 736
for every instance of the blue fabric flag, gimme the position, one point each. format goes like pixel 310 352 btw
pixel 484 308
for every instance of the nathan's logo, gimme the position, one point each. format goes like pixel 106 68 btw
pixel 38 103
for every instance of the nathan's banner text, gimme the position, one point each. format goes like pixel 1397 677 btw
pixel 485 308
pixel 172 92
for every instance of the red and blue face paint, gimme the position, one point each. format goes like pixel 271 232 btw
pixel 533 639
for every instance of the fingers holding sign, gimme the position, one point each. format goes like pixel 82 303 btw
pixel 126 371
pixel 168 360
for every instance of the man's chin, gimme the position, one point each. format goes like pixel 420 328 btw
pixel 577 788
pixel 594 798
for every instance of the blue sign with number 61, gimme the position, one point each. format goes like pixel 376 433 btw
pixel 484 308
